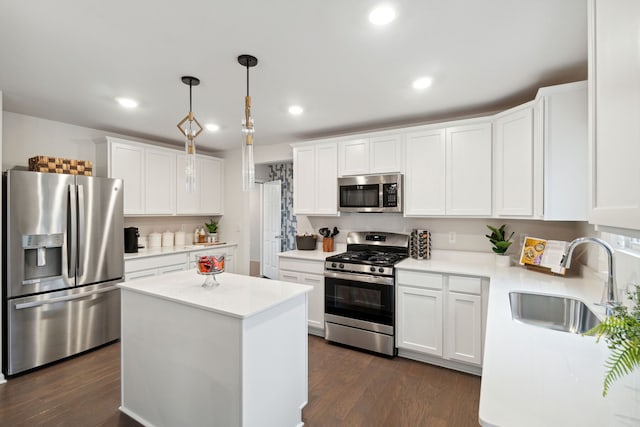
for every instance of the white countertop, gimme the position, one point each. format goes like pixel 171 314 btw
pixel 168 250
pixel 532 376
pixel 314 255
pixel 236 296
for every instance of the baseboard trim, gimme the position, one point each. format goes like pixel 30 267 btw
pixel 438 361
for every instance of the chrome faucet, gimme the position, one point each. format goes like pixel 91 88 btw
pixel 610 298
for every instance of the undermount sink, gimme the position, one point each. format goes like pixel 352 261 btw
pixel 552 312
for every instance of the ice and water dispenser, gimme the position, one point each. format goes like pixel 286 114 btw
pixel 42 257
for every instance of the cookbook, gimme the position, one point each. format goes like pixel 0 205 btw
pixel 543 254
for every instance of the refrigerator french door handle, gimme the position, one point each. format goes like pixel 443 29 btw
pixel 81 227
pixel 72 238
pixel 22 306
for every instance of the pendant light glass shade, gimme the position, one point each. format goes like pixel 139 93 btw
pixel 248 166
pixel 190 128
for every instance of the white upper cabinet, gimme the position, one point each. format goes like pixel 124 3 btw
pixel 513 162
pixel 127 162
pixel 561 152
pixel 304 180
pixel 208 197
pixel 468 168
pixel 354 157
pixel 378 154
pixel 154 182
pixel 385 154
pixel 326 193
pixel 315 174
pixel 148 173
pixel 160 175
pixel 614 76
pixel 424 181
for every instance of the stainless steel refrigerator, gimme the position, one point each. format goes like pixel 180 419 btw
pixel 62 260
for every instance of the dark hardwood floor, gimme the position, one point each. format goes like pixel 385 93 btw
pixel 346 388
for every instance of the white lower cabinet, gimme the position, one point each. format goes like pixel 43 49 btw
pixel 139 268
pixel 464 328
pixel 419 320
pixel 439 319
pixel 156 265
pixel 308 272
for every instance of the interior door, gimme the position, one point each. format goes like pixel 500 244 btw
pixel 271 228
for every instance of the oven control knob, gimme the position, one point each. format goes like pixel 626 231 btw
pixel 381 270
pixel 341 266
pixel 373 269
pixel 333 264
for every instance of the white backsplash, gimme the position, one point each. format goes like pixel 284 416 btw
pixel 468 233
pixel 160 224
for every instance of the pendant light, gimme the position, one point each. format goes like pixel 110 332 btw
pixel 248 167
pixel 190 128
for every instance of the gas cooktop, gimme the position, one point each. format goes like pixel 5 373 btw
pixel 368 257
pixel 370 253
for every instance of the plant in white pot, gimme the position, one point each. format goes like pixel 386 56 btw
pixel 500 243
pixel 213 229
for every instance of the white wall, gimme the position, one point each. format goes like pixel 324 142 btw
pixel 275 153
pixel 234 226
pixel 27 136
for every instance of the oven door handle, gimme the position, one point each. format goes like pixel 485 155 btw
pixel 366 278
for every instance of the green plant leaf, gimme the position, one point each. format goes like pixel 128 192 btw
pixel 623 360
pixel 497 239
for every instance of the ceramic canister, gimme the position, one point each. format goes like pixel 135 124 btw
pixel 154 240
pixel 180 238
pixel 167 238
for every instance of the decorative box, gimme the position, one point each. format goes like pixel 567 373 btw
pixel 60 165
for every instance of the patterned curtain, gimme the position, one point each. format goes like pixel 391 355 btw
pixel 284 173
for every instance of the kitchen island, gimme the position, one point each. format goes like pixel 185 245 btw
pixel 234 355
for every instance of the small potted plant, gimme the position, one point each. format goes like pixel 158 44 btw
pixel 500 243
pixel 212 227
pixel 622 334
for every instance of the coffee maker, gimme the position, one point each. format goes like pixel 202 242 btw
pixel 131 240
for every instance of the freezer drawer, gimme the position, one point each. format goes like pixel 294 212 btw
pixel 48 327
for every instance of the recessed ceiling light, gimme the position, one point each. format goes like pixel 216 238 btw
pixel 382 15
pixel 296 110
pixel 127 103
pixel 212 127
pixel 422 83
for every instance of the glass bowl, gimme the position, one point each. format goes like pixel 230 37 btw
pixel 209 266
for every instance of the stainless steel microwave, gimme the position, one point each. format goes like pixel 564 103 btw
pixel 370 193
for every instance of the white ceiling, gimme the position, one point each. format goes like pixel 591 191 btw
pixel 67 60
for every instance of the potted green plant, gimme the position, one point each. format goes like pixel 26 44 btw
pixel 212 227
pixel 500 243
pixel 621 331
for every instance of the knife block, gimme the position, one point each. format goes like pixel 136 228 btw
pixel 327 244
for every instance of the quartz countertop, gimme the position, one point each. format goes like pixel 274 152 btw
pixel 168 250
pixel 532 376
pixel 237 295
pixel 315 255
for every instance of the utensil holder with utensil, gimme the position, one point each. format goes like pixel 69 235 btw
pixel 327 244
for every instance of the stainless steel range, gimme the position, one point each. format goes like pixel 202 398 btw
pixel 360 291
